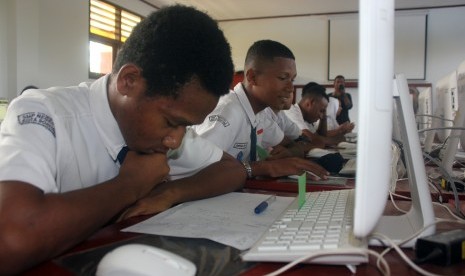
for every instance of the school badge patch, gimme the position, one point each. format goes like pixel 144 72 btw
pixel 37 118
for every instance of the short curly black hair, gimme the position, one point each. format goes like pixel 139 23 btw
pixel 174 45
pixel 267 50
pixel 314 90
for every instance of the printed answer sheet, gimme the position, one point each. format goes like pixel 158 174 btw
pixel 228 219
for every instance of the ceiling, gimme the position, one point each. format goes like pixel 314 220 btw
pixel 224 10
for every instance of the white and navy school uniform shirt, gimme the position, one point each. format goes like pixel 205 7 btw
pixel 290 129
pixel 229 125
pixel 295 114
pixel 66 138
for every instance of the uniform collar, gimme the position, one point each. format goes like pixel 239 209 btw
pixel 244 101
pixel 106 124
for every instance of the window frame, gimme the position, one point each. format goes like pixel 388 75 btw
pixel 116 43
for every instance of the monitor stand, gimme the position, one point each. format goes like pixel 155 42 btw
pixel 399 228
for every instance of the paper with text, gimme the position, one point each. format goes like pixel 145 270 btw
pixel 228 219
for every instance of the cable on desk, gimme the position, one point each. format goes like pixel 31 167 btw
pixel 385 271
pixel 399 251
pixel 396 246
pixel 391 195
pixel 448 177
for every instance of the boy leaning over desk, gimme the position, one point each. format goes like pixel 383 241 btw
pixel 75 158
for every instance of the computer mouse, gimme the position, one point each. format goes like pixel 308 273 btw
pixel 144 260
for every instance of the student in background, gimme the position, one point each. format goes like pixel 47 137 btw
pixel 333 127
pixel 237 120
pixel 344 97
pixel 75 158
pixel 310 115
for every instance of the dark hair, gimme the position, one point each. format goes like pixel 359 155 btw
pixel 176 44
pixel 28 87
pixel 339 77
pixel 267 50
pixel 314 90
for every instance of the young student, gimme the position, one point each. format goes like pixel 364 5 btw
pixel 333 127
pixel 309 114
pixel 74 158
pixel 237 126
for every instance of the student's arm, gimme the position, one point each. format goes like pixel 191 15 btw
pixel 35 226
pixel 288 148
pixel 224 176
pixel 286 166
pixel 341 130
pixel 347 98
pixel 323 126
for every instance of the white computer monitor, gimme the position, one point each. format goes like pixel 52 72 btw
pixel 376 59
pixel 376 63
pixel 425 110
pixel 456 135
pixel 446 93
pixel 444 111
pixel 461 96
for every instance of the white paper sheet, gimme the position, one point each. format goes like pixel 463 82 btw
pixel 228 219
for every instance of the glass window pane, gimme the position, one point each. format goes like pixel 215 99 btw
pixel 101 57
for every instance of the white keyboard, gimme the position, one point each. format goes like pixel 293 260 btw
pixel 350 167
pixel 323 224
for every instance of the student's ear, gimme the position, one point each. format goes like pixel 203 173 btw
pixel 129 79
pixel 251 76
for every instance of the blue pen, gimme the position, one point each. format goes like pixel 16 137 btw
pixel 264 204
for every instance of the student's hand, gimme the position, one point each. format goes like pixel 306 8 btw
pixel 295 166
pixel 143 171
pixel 279 152
pixel 158 200
pixel 346 127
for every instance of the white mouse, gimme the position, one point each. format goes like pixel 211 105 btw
pixel 144 260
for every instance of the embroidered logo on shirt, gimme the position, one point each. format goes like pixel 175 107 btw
pixel 240 145
pixel 219 118
pixel 37 118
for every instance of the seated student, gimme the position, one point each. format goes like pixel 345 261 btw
pixel 236 121
pixel 289 128
pixel 62 175
pixel 333 127
pixel 310 115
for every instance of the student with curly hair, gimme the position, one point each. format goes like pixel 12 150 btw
pixel 62 175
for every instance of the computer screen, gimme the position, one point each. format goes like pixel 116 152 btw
pixel 376 91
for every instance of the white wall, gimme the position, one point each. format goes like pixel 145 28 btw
pixel 45 43
pixel 305 36
pixel 446 42
pixel 42 43
pixel 3 48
